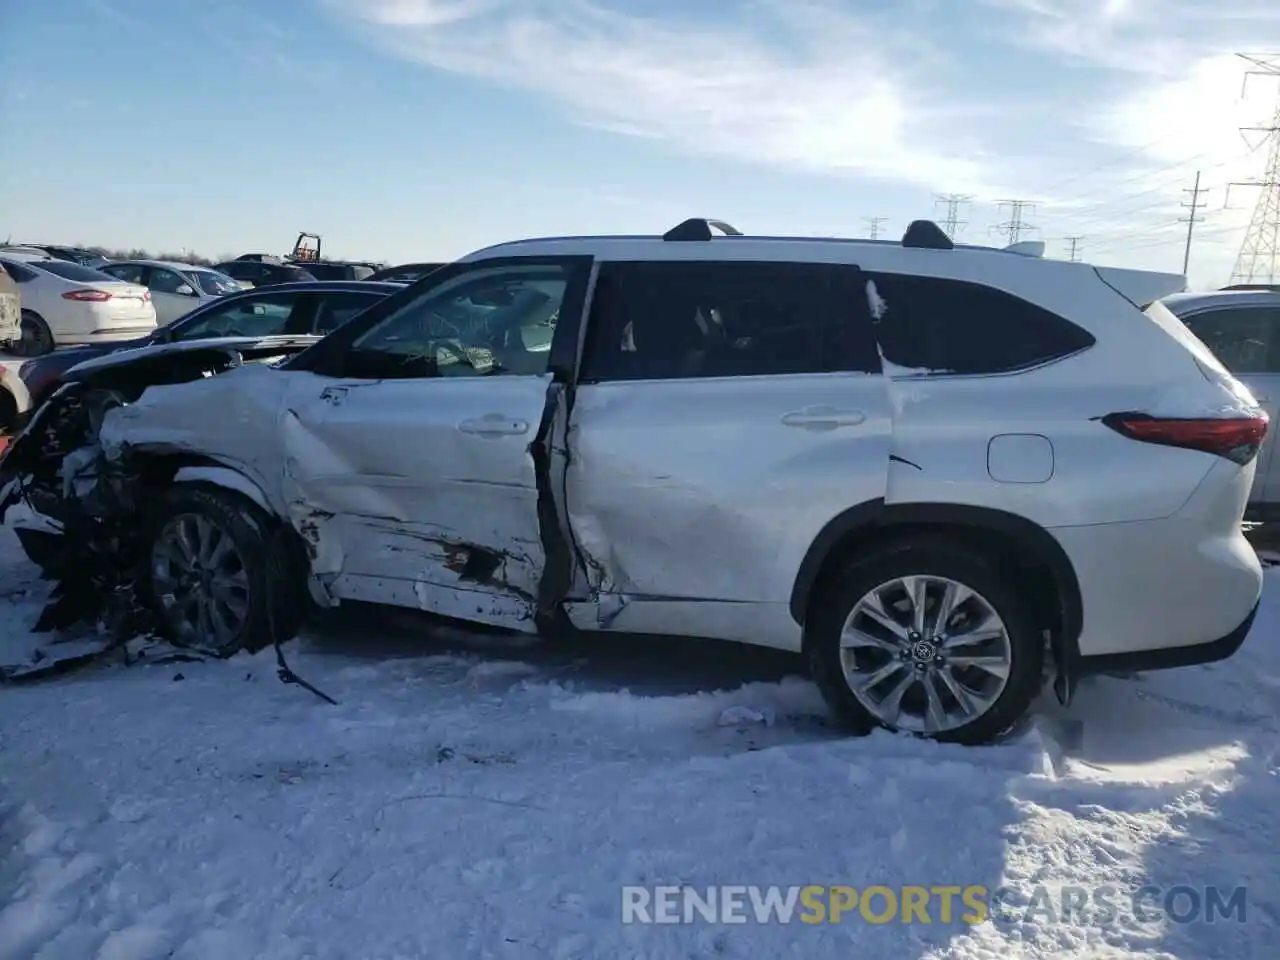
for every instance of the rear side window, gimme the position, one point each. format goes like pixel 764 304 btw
pixel 956 327
pixel 19 273
pixel 1244 339
pixel 694 319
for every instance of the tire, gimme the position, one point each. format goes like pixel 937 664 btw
pixel 37 338
pixel 994 709
pixel 269 599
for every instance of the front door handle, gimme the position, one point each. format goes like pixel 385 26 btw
pixel 823 418
pixel 494 425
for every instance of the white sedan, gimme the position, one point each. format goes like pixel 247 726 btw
pixel 176 288
pixel 65 303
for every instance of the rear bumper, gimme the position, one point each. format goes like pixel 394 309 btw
pixel 1170 658
pixel 1184 581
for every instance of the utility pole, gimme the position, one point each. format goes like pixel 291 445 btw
pixel 1073 256
pixel 952 223
pixel 873 223
pixel 1015 226
pixel 1191 219
pixel 1259 255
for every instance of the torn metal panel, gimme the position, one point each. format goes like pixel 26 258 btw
pixel 679 508
pixel 387 481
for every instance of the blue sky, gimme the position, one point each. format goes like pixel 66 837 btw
pixel 421 129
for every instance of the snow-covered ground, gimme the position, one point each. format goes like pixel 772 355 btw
pixel 485 801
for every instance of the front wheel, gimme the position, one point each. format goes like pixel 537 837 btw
pixel 216 575
pixel 926 637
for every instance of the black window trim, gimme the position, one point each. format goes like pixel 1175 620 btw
pixel 562 360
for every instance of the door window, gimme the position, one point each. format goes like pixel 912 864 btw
pixel 691 319
pixel 1243 338
pixel 169 281
pixel 261 316
pixel 128 272
pixel 488 321
pixel 336 309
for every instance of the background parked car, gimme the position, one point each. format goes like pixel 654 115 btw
pixel 312 308
pixel 86 258
pixel 65 303
pixel 405 272
pixel 10 310
pixel 337 269
pixel 262 273
pixel 176 288
pixel 1242 328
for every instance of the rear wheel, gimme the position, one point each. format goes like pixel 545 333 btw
pixel 37 338
pixel 217 576
pixel 925 637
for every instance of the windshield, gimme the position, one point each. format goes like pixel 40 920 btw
pixel 73 271
pixel 215 284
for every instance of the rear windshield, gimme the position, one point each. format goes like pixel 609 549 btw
pixel 73 271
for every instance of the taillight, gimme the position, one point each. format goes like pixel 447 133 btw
pixel 91 296
pixel 146 295
pixel 1237 439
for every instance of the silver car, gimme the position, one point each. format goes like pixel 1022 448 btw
pixel 1242 327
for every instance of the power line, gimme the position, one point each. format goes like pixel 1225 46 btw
pixel 1075 243
pixel 873 225
pixel 1260 251
pixel 1016 226
pixel 952 223
pixel 1191 219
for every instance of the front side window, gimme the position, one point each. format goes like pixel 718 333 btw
pixel 486 322
pixel 169 281
pixel 215 284
pixel 261 316
pixel 1243 339
pixel 941 326
pixel 692 319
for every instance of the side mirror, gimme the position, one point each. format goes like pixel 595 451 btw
pixel 186 290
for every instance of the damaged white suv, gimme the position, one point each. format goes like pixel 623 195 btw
pixel 946 474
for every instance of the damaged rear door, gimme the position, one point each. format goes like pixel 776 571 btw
pixel 726 411
pixel 408 452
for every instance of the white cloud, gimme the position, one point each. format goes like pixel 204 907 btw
pixel 1102 110
pixel 792 83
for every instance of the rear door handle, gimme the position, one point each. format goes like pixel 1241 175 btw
pixel 494 425
pixel 823 418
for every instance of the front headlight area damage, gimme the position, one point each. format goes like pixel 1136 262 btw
pixel 76 470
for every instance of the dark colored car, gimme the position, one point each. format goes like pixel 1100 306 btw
pixel 405 272
pixel 337 269
pixel 312 308
pixel 263 273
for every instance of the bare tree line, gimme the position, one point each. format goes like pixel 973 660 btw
pixel 137 253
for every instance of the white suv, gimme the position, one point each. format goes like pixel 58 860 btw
pixel 938 471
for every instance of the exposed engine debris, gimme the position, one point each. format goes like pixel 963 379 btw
pixel 101 506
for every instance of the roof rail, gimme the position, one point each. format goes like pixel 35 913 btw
pixel 699 228
pixel 1027 248
pixel 926 235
